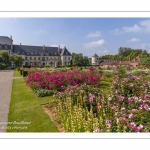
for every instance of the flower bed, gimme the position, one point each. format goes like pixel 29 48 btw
pixel 58 81
pixel 125 109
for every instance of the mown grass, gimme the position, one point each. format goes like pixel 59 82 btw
pixel 16 73
pixel 105 84
pixel 24 107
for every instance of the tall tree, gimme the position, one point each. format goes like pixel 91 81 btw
pixel 16 59
pixel 5 61
pixel 79 60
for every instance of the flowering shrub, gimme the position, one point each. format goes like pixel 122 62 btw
pixel 60 80
pixel 125 109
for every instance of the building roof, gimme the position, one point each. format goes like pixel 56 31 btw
pixel 95 55
pixel 115 63
pixel 65 52
pixel 5 40
pixel 135 60
pixel 38 50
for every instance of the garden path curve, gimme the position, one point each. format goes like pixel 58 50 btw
pixel 6 78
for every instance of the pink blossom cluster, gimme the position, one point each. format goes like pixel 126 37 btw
pixel 58 80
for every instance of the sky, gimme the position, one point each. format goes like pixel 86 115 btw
pixel 80 35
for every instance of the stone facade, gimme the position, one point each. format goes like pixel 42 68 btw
pixel 37 55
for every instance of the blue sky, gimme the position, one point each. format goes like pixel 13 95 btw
pixel 80 35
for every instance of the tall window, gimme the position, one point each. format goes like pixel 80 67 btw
pixel 34 58
pixel 68 58
pixel 0 46
pixel 5 46
pixel 65 58
pixel 43 58
pixel 30 58
pixel 47 58
pixel 39 58
pixel 25 58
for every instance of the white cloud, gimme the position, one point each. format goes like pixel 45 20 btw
pixel 144 46
pixel 55 45
pixel 103 52
pixel 141 27
pixel 96 34
pixel 145 23
pixel 134 29
pixel 94 43
pixel 133 40
pixel 117 31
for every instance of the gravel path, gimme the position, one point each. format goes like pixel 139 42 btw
pixel 6 78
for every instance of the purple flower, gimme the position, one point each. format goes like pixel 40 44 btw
pixel 91 97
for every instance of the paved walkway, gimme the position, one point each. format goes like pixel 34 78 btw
pixel 6 78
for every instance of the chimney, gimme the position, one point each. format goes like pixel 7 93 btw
pixel 134 59
pixel 20 45
pixel 64 47
pixel 43 47
pixel 58 48
pixel 11 42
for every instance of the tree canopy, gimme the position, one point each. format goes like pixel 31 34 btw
pixel 125 53
pixel 4 59
pixel 16 59
pixel 79 59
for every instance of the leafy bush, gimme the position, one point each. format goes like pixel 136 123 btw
pixel 43 92
pixel 47 66
pixel 25 73
pixel 122 72
pixel 108 74
pixel 21 71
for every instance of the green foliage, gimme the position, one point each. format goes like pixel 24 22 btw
pixel 108 74
pixel 125 53
pixel 79 60
pixel 47 66
pixel 25 73
pixel 4 59
pixel 122 72
pixel 21 71
pixel 43 92
pixel 16 60
pixel 145 61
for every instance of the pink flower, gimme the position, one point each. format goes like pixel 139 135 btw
pixel 91 97
pixel 109 98
pixel 132 125
pixel 121 98
pixel 99 107
pixel 131 115
pixel 108 123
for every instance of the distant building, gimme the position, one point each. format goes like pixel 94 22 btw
pixel 95 60
pixel 37 55
pixel 133 63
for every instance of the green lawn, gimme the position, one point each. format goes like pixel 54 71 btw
pixel 24 107
pixel 16 73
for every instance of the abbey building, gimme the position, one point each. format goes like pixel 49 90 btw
pixel 37 55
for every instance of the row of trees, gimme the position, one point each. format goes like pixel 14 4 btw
pixel 125 53
pixel 7 60
pixel 80 60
